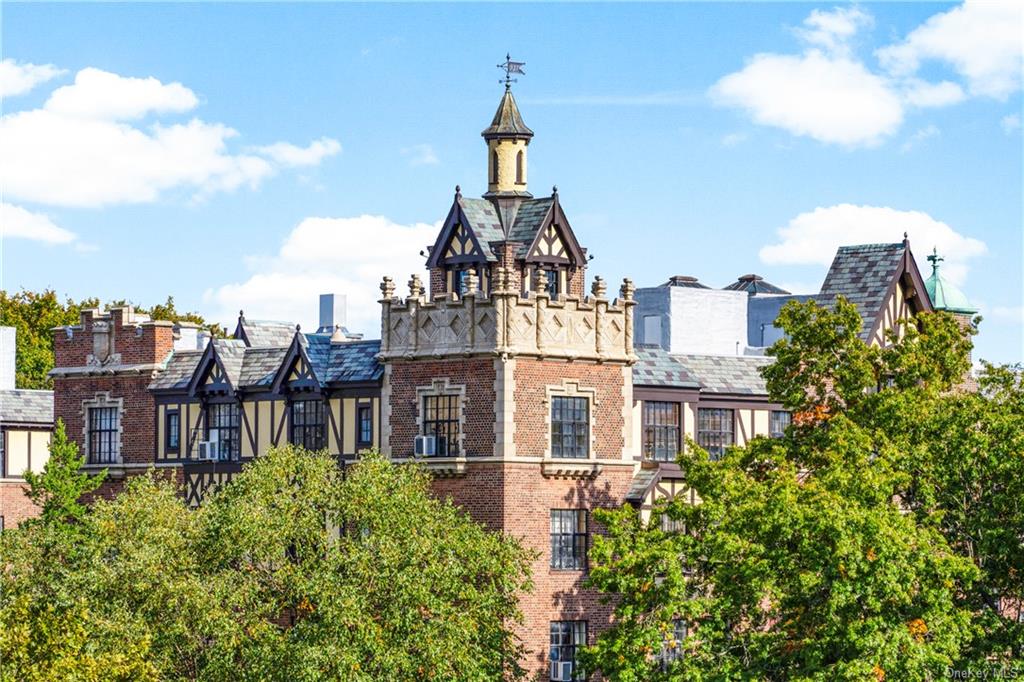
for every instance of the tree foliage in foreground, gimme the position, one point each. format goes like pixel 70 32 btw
pixel 877 540
pixel 293 571
pixel 35 314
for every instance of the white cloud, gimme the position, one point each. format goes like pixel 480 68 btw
pixel 19 223
pixel 832 31
pixel 921 135
pixel 328 255
pixel 78 150
pixel 980 39
pixel 812 238
pixel 1010 123
pixel 1013 314
pixel 922 94
pixel 421 155
pixel 290 155
pixel 104 95
pixel 17 79
pixel 830 99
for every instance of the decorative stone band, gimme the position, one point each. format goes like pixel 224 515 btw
pixel 148 369
pixel 507 324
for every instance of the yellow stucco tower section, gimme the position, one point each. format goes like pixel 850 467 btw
pixel 507 141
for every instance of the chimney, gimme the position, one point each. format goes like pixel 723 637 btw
pixel 332 313
pixel 8 337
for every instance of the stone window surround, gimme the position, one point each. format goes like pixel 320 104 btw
pixel 102 399
pixel 570 388
pixel 442 386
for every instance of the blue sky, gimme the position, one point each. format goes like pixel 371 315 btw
pixel 252 156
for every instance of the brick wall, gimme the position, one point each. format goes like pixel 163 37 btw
pixel 15 506
pixel 477 374
pixel 518 499
pixel 138 415
pixel 532 427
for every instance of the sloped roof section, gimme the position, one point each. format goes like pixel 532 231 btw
pixel 354 361
pixel 507 121
pixel 178 373
pixel 684 281
pixel 260 365
pixel 264 333
pixel 529 220
pixel 755 284
pixel 731 374
pixel 862 274
pixel 231 353
pixel 657 367
pixel 484 222
pixel 26 406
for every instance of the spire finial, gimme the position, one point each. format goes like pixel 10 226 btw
pixel 935 259
pixel 511 67
pixel 554 190
pixel 905 236
pixel 241 314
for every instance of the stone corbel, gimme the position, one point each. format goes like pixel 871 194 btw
pixel 564 468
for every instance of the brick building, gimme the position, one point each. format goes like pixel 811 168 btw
pixel 518 386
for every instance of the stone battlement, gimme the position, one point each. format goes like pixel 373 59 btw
pixel 507 323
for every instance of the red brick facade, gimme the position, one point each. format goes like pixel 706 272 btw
pixel 15 506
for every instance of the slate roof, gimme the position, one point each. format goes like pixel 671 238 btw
pixel 528 221
pixel 180 368
pixel 25 406
pixel 484 221
pixel 733 374
pixel 255 368
pixel 507 121
pixel 657 367
pixel 862 275
pixel 260 365
pixel 642 481
pixel 231 353
pixel 755 284
pixel 265 333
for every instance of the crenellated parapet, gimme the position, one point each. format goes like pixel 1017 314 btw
pixel 507 323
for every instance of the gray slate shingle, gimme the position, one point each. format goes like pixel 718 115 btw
pixel 862 275
pixel 736 375
pixel 267 334
pixel 528 221
pixel 25 406
pixel 484 222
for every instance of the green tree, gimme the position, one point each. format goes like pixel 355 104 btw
pixel 873 541
pixel 370 575
pixel 35 314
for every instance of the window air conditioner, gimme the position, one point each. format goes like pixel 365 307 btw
pixel 425 446
pixel 208 450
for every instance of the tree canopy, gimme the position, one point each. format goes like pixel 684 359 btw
pixel 35 314
pixel 295 570
pixel 880 538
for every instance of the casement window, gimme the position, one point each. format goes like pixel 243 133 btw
pixel 567 636
pixel 364 432
pixel 715 430
pixel 554 283
pixel 670 525
pixel 569 539
pixel 308 424
pixel 441 420
pixel 661 430
pixel 570 427
pixel 778 422
pixel 103 435
pixel 222 427
pixel 672 644
pixel 172 431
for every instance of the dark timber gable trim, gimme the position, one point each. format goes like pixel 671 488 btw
pixel 556 218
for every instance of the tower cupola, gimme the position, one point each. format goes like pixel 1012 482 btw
pixel 944 294
pixel 507 139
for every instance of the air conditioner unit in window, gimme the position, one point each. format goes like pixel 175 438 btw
pixel 209 450
pixel 562 671
pixel 425 446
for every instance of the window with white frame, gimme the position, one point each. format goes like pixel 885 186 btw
pixel 715 430
pixel 567 636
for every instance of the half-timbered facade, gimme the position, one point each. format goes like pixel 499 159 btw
pixel 532 398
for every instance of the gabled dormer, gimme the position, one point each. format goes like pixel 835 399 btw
pixel 296 374
pixel 218 369
pixel 547 243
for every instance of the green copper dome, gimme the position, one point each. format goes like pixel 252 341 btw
pixel 943 294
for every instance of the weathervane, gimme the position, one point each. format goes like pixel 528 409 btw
pixel 511 67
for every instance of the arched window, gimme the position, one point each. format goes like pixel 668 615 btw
pixel 494 168
pixel 519 167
